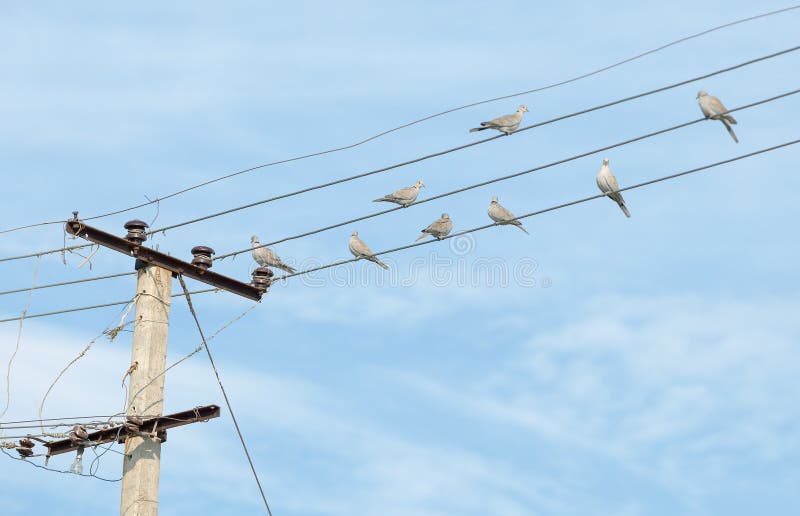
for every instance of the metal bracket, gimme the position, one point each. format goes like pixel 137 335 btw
pixel 165 261
pixel 158 424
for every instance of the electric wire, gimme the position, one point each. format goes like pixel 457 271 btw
pixel 91 475
pixel 546 210
pixel 85 424
pixel 506 177
pixel 104 305
pixel 191 353
pixel 423 119
pixel 108 330
pixel 19 339
pixel 471 144
pixel 73 418
pixel 439 196
pixel 222 388
pixel 65 283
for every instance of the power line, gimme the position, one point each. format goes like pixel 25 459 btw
pixel 116 303
pixel 429 156
pixel 191 353
pixel 418 121
pixel 64 283
pixel 222 388
pixel 43 253
pixel 539 212
pixel 506 177
pixel 446 194
pixel 91 475
pixel 74 418
pixel 85 424
pixel 472 144
pixel 19 337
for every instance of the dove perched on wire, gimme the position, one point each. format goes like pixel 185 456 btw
pixel 715 110
pixel 403 196
pixel 501 215
pixel 362 250
pixel 608 185
pixel 438 229
pixel 505 124
pixel 264 257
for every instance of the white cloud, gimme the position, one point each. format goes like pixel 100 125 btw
pixel 382 471
pixel 680 391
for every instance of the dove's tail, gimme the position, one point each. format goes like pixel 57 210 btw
pixel 286 268
pixel 382 199
pixel 373 259
pixel 624 209
pixel 519 225
pixel 423 235
pixel 476 129
pixel 730 129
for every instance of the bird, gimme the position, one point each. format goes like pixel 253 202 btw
pixel 505 124
pixel 438 229
pixel 501 215
pixel 264 257
pixel 608 185
pixel 715 110
pixel 362 250
pixel 403 196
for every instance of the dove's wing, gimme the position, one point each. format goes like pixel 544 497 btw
pixel 503 213
pixel 443 226
pixel 406 195
pixel 717 106
pixel 717 109
pixel 266 258
pixel 402 196
pixel 608 185
pixel 359 248
pixel 437 227
pixel 503 120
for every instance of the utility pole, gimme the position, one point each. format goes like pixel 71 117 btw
pixel 142 458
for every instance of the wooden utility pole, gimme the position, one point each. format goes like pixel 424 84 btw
pixel 142 461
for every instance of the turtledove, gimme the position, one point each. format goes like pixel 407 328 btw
pixel 403 196
pixel 505 124
pixel 266 258
pixel 362 250
pixel 438 229
pixel 608 185
pixel 501 215
pixel 715 110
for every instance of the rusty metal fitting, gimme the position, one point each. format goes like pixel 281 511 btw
pixel 24 451
pixel 262 278
pixel 202 256
pixel 136 231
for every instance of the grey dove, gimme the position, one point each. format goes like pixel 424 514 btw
pixel 266 258
pixel 501 215
pixel 505 124
pixel 608 185
pixel 403 196
pixel 438 229
pixel 362 250
pixel 715 110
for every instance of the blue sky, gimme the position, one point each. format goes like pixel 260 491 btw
pixel 642 366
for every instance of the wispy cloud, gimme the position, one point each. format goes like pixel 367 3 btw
pixel 679 391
